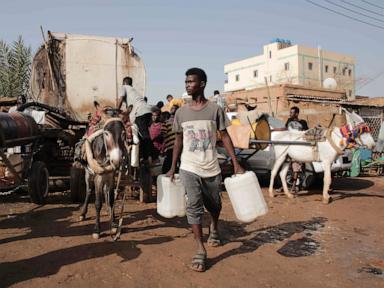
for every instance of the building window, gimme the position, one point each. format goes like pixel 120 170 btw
pixel 350 93
pixel 237 77
pixel 326 68
pixel 255 73
pixel 286 66
pixel 270 78
pixel 344 69
pixel 310 65
pixel 349 72
pixel 334 69
pixel 270 54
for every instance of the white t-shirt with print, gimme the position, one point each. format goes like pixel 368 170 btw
pixel 199 128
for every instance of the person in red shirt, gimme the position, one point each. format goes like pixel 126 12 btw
pixel 155 131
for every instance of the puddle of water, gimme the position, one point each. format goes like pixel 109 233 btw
pixel 298 248
pixel 302 247
pixel 371 270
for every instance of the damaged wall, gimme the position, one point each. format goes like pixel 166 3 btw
pixel 317 106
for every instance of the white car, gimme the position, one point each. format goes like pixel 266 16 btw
pixel 262 161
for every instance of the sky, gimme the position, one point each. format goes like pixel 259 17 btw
pixel 172 36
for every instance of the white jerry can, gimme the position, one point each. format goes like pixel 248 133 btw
pixel 170 197
pixel 246 197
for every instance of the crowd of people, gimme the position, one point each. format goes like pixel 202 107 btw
pixel 155 122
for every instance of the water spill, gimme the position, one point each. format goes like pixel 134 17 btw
pixel 302 247
pixel 298 248
pixel 371 270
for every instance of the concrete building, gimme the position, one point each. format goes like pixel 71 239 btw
pixel 284 63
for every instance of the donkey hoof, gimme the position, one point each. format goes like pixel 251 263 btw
pixel 291 196
pixel 95 236
pixel 82 218
pixel 272 195
pixel 327 200
pixel 114 230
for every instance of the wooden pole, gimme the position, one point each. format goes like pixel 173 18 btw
pixel 49 59
pixel 269 98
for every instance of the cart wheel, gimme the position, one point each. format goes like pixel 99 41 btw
pixel 38 183
pixel 77 184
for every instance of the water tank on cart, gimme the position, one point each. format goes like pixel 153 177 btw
pixel 17 129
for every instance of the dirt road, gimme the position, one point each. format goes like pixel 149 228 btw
pixel 299 243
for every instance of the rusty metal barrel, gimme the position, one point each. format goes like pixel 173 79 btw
pixel 17 129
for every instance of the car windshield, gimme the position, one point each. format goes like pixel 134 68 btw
pixel 275 123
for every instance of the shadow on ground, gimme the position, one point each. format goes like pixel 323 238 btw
pixel 50 263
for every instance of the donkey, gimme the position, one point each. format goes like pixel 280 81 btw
pixel 327 152
pixel 104 154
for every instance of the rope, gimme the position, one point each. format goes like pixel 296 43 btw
pixel 120 224
pixel 328 136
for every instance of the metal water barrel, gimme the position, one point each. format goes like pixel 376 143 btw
pixel 17 129
pixel 82 69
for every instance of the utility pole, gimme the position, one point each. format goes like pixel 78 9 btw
pixel 319 54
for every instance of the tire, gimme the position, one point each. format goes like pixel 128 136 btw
pixel 77 184
pixel 38 183
pixel 306 178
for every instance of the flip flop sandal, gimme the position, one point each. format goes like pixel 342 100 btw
pixel 198 262
pixel 214 239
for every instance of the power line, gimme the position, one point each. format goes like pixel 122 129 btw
pixel 345 15
pixel 354 11
pixel 373 4
pixel 362 8
pixel 369 81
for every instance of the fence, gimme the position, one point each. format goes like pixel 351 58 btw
pixel 373 117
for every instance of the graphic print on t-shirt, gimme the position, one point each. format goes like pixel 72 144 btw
pixel 198 139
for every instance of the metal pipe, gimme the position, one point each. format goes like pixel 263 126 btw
pixel 282 142
pixel 17 141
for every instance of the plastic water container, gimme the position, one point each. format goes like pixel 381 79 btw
pixel 170 197
pixel 246 197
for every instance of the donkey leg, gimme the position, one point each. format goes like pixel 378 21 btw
pixel 327 182
pixel 84 208
pixel 109 199
pixel 112 215
pixel 98 205
pixel 283 177
pixel 275 168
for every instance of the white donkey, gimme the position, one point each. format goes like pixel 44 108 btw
pixel 327 151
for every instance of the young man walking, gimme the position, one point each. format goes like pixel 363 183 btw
pixel 196 125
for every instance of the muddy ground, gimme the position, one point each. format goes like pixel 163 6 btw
pixel 299 243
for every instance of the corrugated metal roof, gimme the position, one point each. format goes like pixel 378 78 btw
pixel 317 98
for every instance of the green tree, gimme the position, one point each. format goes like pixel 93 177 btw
pixel 15 68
